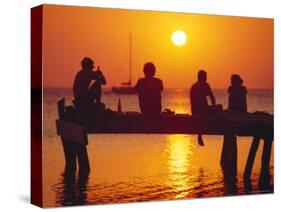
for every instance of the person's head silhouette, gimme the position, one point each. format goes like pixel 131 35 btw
pixel 149 69
pixel 87 63
pixel 202 76
pixel 236 80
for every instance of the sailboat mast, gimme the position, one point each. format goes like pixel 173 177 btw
pixel 130 58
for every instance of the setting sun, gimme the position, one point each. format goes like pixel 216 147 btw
pixel 179 38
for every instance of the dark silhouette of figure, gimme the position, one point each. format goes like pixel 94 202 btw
pixel 199 93
pixel 149 91
pixel 198 98
pixel 75 152
pixel 237 100
pixel 84 94
pixel 87 99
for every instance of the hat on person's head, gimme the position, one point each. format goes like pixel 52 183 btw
pixel 236 79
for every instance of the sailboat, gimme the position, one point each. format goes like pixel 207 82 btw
pixel 126 87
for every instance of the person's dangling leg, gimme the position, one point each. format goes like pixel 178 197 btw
pixel 195 112
pixel 200 140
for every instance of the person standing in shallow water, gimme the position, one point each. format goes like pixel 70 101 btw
pixel 237 100
pixel 198 98
pixel 149 91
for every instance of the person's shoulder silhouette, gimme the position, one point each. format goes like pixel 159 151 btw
pixel 149 83
pixel 200 88
pixel 83 78
pixel 149 91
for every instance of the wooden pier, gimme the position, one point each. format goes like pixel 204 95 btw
pixel 74 128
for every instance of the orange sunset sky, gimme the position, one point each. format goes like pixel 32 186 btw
pixel 221 45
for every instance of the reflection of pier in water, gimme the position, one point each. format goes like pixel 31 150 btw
pixel 73 131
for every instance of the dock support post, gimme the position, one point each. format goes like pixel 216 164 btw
pixel 251 157
pixel 229 162
pixel 265 166
pixel 266 153
pixel 229 153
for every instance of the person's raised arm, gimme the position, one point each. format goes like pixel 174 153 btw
pixel 100 77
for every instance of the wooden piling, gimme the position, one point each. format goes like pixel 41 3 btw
pixel 229 161
pixel 264 180
pixel 251 157
pixel 229 154
pixel 266 153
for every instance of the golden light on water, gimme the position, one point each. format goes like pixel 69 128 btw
pixel 179 109
pixel 180 151
pixel 180 104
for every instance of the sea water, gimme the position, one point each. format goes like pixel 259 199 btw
pixel 143 167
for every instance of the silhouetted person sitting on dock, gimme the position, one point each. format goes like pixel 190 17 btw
pixel 87 99
pixel 149 91
pixel 198 99
pixel 87 96
pixel 237 100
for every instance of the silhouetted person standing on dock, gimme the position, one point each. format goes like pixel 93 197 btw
pixel 198 98
pixel 149 91
pixel 237 100
pixel 84 94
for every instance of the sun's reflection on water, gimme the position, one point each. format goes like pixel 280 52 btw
pixel 179 104
pixel 179 150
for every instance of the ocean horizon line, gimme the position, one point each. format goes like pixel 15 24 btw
pixel 167 88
